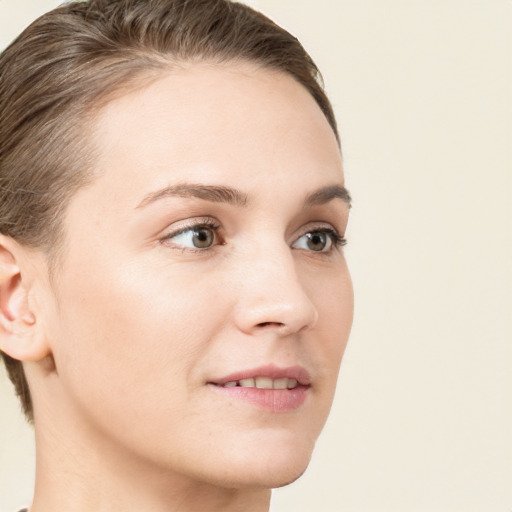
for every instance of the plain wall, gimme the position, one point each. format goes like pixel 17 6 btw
pixel 422 420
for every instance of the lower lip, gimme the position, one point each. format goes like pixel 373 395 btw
pixel 273 400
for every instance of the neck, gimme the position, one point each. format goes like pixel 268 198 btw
pixel 80 472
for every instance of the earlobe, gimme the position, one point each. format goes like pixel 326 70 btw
pixel 20 335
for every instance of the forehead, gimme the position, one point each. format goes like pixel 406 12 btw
pixel 216 122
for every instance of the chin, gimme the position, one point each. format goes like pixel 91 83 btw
pixel 268 478
pixel 269 468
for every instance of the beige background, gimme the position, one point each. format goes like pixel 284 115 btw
pixel 423 416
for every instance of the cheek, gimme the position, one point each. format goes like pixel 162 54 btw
pixel 131 331
pixel 340 309
pixel 333 297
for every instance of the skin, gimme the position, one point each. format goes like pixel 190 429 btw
pixel 120 345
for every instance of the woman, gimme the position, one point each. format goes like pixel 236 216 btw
pixel 175 301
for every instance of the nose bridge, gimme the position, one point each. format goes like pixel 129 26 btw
pixel 271 293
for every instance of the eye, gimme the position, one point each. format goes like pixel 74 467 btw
pixel 319 240
pixel 199 236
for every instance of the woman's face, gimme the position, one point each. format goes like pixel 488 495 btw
pixel 204 260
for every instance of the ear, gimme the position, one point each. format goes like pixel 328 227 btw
pixel 20 334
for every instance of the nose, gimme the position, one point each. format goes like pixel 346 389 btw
pixel 272 296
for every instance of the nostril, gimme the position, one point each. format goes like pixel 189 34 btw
pixel 270 324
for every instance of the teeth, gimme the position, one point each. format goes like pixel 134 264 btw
pixel 291 383
pixel 263 383
pixel 281 383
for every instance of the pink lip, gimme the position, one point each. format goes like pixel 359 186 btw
pixel 273 400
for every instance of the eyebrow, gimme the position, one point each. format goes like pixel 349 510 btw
pixel 230 195
pixel 327 194
pixel 213 193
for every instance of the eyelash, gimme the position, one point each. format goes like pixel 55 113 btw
pixel 197 224
pixel 336 240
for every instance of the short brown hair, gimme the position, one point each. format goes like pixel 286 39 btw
pixel 63 64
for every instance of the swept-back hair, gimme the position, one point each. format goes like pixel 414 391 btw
pixel 72 60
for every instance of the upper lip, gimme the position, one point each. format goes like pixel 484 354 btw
pixel 270 371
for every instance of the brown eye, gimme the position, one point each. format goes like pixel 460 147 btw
pixel 317 241
pixel 203 237
pixel 320 240
pixel 199 236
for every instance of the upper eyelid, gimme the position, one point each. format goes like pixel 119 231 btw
pixel 215 224
pixel 316 226
pixel 185 225
pixel 169 234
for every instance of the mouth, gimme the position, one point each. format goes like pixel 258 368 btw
pixel 268 388
pixel 261 383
